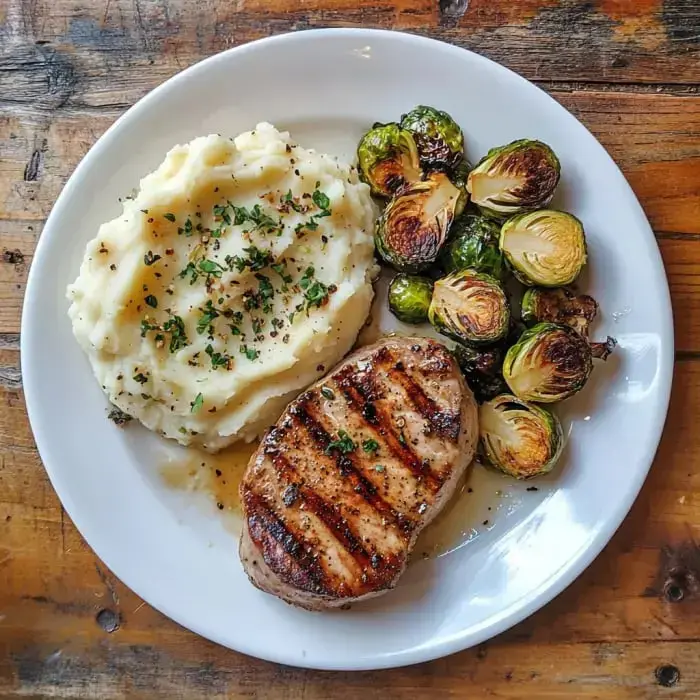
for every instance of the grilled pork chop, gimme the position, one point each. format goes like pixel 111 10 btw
pixel 338 491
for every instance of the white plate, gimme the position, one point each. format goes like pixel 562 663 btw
pixel 327 87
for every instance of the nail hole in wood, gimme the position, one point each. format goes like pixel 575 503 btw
pixel 108 620
pixel 667 675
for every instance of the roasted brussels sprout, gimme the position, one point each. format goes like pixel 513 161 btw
pixel 519 438
pixel 550 362
pixel 415 223
pixel 559 306
pixel 545 248
pixel 474 244
pixel 409 297
pixel 470 307
pixel 482 370
pixel 438 137
pixel 388 158
pixel 518 177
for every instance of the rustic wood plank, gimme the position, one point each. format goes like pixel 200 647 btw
pixel 635 609
pixel 73 45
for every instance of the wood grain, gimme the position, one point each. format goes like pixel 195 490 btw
pixel 629 626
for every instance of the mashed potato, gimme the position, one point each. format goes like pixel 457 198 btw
pixel 238 275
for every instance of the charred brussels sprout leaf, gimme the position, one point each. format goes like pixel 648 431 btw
pixel 519 438
pixel 559 306
pixel 474 244
pixel 409 298
pixel 388 158
pixel 470 307
pixel 601 351
pixel 482 370
pixel 549 363
pixel 415 223
pixel 518 177
pixel 545 248
pixel 438 137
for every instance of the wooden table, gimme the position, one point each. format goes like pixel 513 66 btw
pixel 630 626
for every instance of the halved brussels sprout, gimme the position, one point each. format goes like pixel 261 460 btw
pixel 545 248
pixel 409 297
pixel 474 244
pixel 470 307
pixel 438 137
pixel 519 438
pixel 415 223
pixel 514 178
pixel 550 362
pixel 388 158
pixel 559 305
pixel 482 370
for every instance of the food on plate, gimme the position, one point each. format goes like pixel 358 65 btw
pixel 237 275
pixel 357 466
pixel 470 307
pixel 474 244
pixel 560 305
pixel 409 297
pixel 438 137
pixel 388 158
pixel 549 363
pixel 518 177
pixel 545 248
pixel 416 222
pixel 482 368
pixel 519 438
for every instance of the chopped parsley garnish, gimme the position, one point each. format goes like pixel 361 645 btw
pixel 250 353
pixel 209 313
pixel 218 359
pixel 148 326
pixel 321 200
pixel 210 268
pixel 316 295
pixel 141 378
pixel 169 216
pixel 370 445
pixel 256 259
pixel 150 258
pixel 187 228
pixel 178 336
pixel 379 468
pixel 289 199
pixel 197 403
pixel 327 393
pixel 402 438
pixel 151 301
pixel 281 269
pixel 343 444
pixel 266 292
pixel 118 417
pixel 263 222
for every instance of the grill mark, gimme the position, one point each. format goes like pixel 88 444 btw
pixel 299 568
pixel 325 512
pixel 357 393
pixel 444 423
pixel 345 465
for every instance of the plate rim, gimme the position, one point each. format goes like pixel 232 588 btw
pixel 536 598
